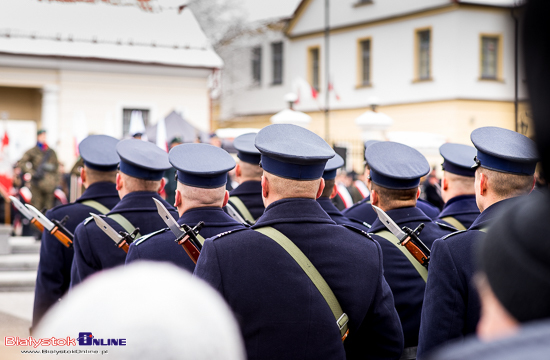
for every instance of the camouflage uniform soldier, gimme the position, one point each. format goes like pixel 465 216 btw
pixel 41 163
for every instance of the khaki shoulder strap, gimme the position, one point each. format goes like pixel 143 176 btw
pixel 310 270
pixel 454 222
pixel 126 225
pixel 237 203
pixel 103 210
pixel 484 229
pixel 200 238
pixel 422 271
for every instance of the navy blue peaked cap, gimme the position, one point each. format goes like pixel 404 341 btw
pixel 99 152
pixel 246 151
pixel 292 152
pixel 458 159
pixel 367 144
pixel 201 165
pixel 396 166
pixel 504 150
pixel 332 166
pixel 142 159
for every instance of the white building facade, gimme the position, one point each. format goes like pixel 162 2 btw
pixel 78 69
pixel 439 69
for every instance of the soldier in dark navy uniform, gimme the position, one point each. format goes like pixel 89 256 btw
pixel 247 197
pixel 395 172
pixel 138 181
pixel 98 176
pixel 330 192
pixel 200 195
pixel 505 164
pixel 282 313
pixel 457 188
pixel 364 214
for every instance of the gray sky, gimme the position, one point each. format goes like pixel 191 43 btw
pixel 264 9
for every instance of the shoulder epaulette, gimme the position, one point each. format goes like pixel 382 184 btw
pixel 89 218
pixel 229 232
pixel 451 234
pixel 446 226
pixel 148 236
pixel 357 230
pixel 364 223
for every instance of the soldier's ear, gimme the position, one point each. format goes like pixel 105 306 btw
pixel 225 198
pixel 83 174
pixel 334 191
pixel 445 184
pixel 177 199
pixel 162 183
pixel 321 188
pixel 374 199
pixel 418 193
pixel 238 171
pixel 265 187
pixel 118 182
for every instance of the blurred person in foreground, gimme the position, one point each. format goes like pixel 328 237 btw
pixel 139 180
pixel 160 310
pixel 41 163
pixel 247 197
pixel 505 164
pixel 261 271
pixel 98 175
pixel 513 282
pixel 458 189
pixel 200 195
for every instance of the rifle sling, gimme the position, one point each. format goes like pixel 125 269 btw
pixel 422 271
pixel 200 238
pixel 241 207
pixel 102 209
pixel 310 270
pixel 454 222
pixel 126 225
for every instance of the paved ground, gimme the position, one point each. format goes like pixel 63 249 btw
pixel 15 320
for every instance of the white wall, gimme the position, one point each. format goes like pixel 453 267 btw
pixel 99 92
pixel 343 12
pixel 455 63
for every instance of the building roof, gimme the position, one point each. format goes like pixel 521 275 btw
pixel 107 32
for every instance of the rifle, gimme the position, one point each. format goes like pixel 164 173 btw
pixel 26 213
pixel 54 227
pixel 407 237
pixel 186 236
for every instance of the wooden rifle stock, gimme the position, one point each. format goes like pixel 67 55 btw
pixel 189 248
pixel 124 246
pixel 65 240
pixel 415 251
pixel 37 223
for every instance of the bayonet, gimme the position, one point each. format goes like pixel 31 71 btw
pixel 54 227
pixel 26 213
pixel 185 235
pixel 122 239
pixel 407 237
pixel 235 214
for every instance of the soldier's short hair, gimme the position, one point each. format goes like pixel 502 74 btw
pixel 393 197
pixel 506 185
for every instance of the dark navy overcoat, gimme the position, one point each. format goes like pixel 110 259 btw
pixel 95 251
pixel 335 214
pixel 163 247
pixel 362 212
pixel 406 283
pixel 281 312
pixel 451 305
pixel 463 208
pixel 250 193
pixel 54 269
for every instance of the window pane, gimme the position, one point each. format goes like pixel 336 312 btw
pixel 314 66
pixel 424 54
pixel 127 116
pixel 365 62
pixel 277 51
pixel 257 65
pixel 489 57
